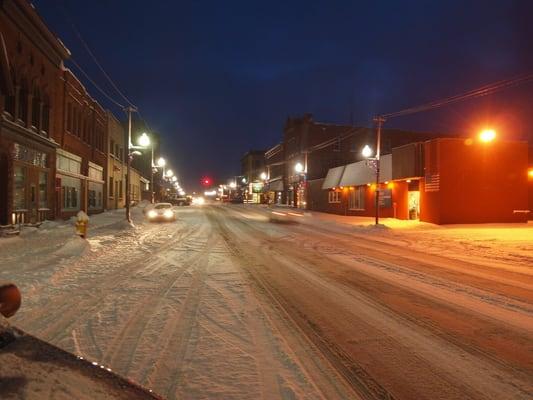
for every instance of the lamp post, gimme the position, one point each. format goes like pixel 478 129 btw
pixel 367 152
pixel 129 110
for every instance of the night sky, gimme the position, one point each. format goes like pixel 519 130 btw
pixel 218 78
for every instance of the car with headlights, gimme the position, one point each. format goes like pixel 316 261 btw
pixel 161 212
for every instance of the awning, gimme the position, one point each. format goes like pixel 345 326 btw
pixel 361 173
pixel 333 177
pixel 275 186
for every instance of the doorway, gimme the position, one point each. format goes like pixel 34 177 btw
pixel 413 201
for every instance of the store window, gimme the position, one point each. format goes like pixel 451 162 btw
pixel 111 186
pixel 95 195
pixel 70 191
pixel 19 188
pixel 356 201
pixel 43 192
pixel 334 196
pixel 68 164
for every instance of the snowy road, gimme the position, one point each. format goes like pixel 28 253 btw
pixel 225 304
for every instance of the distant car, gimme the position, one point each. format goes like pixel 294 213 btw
pixel 161 212
pixel 182 201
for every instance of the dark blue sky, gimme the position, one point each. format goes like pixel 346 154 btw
pixel 216 78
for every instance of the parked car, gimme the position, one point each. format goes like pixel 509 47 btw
pixel 161 212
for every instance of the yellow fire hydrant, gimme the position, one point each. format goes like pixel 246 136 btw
pixel 82 221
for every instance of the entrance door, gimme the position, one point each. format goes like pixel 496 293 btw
pixel 413 202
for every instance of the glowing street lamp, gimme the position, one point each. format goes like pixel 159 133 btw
pixel 174 179
pixel 243 180
pixel 144 140
pixel 161 162
pixel 169 173
pixel 299 168
pixel 233 185
pixel 263 176
pixel 487 135
pixel 367 151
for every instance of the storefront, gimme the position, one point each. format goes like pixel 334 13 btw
pixel 95 188
pixel 69 184
pixel 25 177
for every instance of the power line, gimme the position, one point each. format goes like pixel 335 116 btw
pixel 479 92
pixel 89 51
pixel 102 91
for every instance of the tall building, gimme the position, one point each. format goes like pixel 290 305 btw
pixel 31 105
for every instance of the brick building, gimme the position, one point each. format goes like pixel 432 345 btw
pixel 31 60
pixel 253 165
pixel 81 163
pixel 275 167
pixel 442 181
pixel 116 167
pixel 311 148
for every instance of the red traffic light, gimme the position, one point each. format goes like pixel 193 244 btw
pixel 206 181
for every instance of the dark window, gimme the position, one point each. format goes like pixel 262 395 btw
pixel 35 110
pixel 69 117
pixel 23 105
pixel 110 186
pixel 45 127
pixel 112 147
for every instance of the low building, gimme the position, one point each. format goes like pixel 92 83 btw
pixel 442 181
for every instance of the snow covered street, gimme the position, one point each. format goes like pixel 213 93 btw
pixel 226 304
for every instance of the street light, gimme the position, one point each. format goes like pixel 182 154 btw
pixel 299 168
pixel 144 140
pixel 233 185
pixel 161 162
pixel 367 151
pixel 169 173
pixel 174 178
pixel 243 180
pixel 263 176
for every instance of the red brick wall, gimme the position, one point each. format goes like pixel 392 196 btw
pixel 479 182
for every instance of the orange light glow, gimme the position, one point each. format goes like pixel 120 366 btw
pixel 487 135
pixel 530 173
pixel 390 185
pixel 408 180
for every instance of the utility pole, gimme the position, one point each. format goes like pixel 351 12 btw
pixel 152 166
pixel 129 110
pixel 379 121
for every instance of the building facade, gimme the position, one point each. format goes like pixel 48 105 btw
pixel 441 181
pixel 31 65
pixel 311 148
pixel 275 167
pixel 116 167
pixel 81 162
